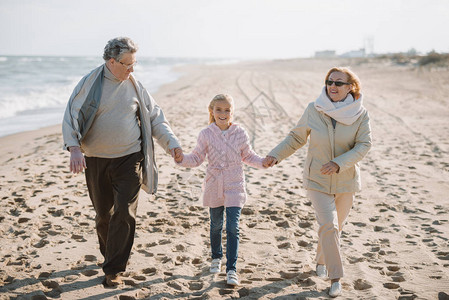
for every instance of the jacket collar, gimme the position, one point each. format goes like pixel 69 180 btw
pixel 215 129
pixel 108 74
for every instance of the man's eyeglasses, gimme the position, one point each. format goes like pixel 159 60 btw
pixel 129 66
pixel 337 83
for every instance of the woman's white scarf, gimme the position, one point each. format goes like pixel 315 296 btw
pixel 346 111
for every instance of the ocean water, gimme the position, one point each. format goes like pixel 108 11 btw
pixel 34 90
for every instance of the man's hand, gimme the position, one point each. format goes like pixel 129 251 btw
pixel 269 161
pixel 77 160
pixel 330 168
pixel 177 154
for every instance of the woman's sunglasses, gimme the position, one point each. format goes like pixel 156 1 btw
pixel 337 83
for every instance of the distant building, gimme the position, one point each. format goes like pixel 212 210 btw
pixel 326 53
pixel 355 53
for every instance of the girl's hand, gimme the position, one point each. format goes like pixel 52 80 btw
pixel 177 155
pixel 330 168
pixel 269 161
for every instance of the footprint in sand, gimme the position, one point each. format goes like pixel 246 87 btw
pixel 361 285
pixel 149 271
pixel 246 271
pixel 151 244
pixel 197 261
pixel 275 218
pixel 305 224
pixel 255 278
pixel 139 277
pixel 196 285
pixel 179 248
pixel 408 296
pixel 164 242
pixel 439 222
pixel 248 211
pixel 281 238
pixel 70 278
pixel 252 225
pixel 51 284
pixel 146 253
pixel 303 243
pixel 370 255
pixel 79 266
pixel 175 285
pixel 354 260
pixel 163 258
pixel 443 255
pixel 375 249
pixel 398 278
pixel 306 282
pixel 89 273
pixel 393 268
pixel 181 259
pixel 285 245
pixel 429 229
pixel 358 224
pixel 391 285
pixel 283 224
pixel 90 258
pixel 143 293
pixel 41 243
pixel 126 297
pixel 78 238
pixel 186 225
pixel 273 279
pixel 288 275
pixel 44 275
pixel 5 278
pixel 379 228
pixel 130 282
pixel 243 292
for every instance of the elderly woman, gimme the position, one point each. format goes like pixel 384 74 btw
pixel 338 127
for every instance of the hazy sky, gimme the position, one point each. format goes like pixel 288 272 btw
pixel 225 28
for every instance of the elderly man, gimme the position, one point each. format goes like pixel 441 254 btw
pixel 108 128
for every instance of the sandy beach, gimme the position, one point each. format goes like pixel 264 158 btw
pixel 395 244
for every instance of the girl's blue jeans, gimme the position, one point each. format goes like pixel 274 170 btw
pixel 232 234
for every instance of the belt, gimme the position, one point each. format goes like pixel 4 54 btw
pixel 216 171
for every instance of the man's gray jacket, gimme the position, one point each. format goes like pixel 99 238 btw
pixel 82 108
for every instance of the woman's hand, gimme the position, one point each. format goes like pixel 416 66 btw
pixel 269 161
pixel 77 160
pixel 330 168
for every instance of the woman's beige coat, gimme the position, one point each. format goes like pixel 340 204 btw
pixel 345 145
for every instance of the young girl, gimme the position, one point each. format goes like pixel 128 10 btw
pixel 226 145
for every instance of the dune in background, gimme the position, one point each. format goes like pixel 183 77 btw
pixel 395 244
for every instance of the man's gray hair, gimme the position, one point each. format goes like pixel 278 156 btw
pixel 116 47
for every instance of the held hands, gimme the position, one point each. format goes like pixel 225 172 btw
pixel 177 154
pixel 269 161
pixel 77 160
pixel 330 168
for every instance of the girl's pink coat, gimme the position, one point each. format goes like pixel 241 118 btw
pixel 224 184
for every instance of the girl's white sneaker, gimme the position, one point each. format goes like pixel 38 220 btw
pixel 215 266
pixel 232 278
pixel 335 289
